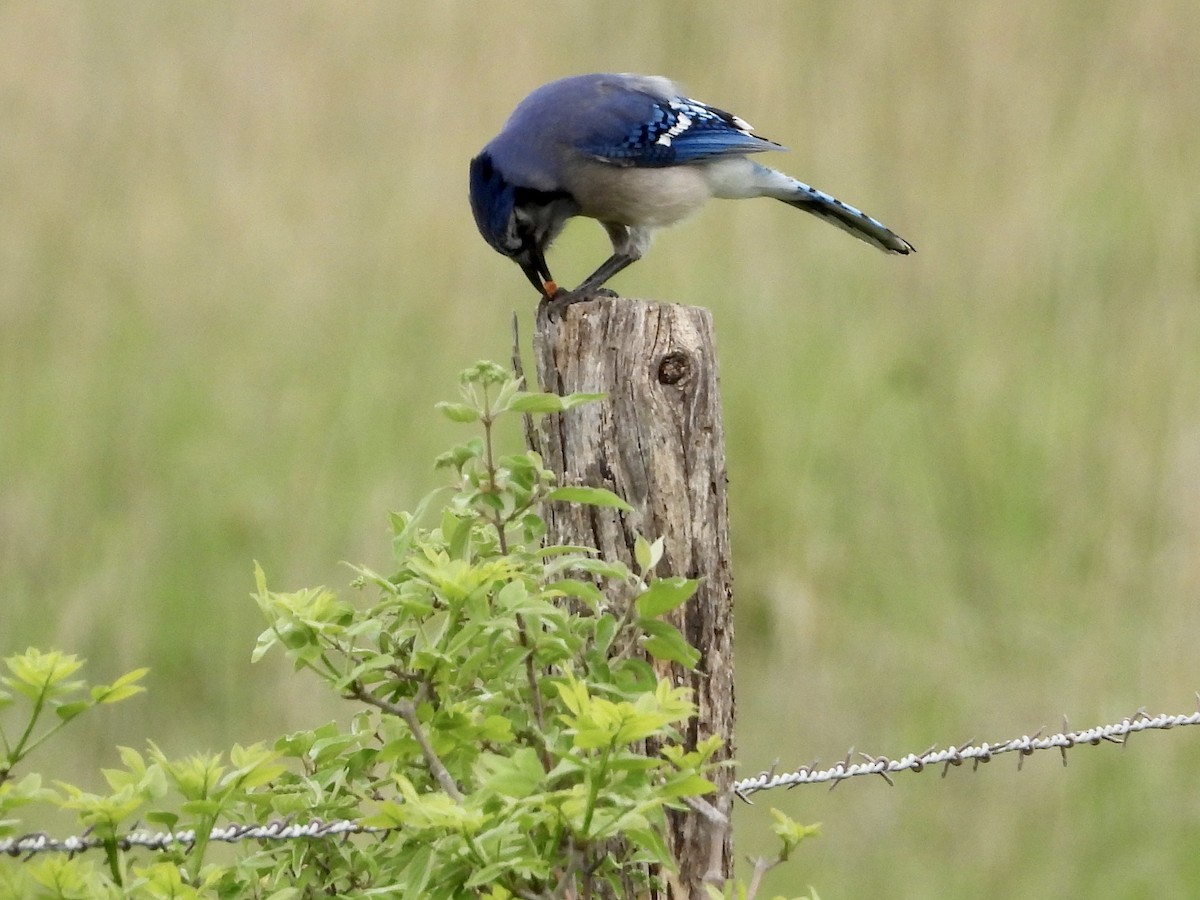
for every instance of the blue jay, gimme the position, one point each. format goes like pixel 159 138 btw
pixel 634 153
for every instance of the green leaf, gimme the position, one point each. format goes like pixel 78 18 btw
pixel 122 688
pixel 579 398
pixel 496 729
pixel 18 793
pixel 590 496
pixel 168 820
pixel 664 641
pixel 573 693
pixel 601 568
pixel 531 402
pixel 457 457
pixel 456 532
pixel 406 526
pixel 200 807
pixel 517 775
pixel 646 554
pixel 638 726
pixel 68 711
pixel 457 412
pixel 606 629
pixel 38 675
pixel 509 389
pixel 584 591
pixel 791 832
pixel 418 872
pixel 651 841
pixel 664 595
pixel 687 786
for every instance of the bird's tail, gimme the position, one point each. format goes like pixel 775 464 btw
pixel 845 217
pixel 760 181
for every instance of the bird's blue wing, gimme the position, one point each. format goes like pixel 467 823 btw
pixel 639 129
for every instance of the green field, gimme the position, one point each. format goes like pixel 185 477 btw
pixel 237 267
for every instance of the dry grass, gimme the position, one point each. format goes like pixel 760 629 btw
pixel 238 267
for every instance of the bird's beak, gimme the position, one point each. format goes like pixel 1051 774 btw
pixel 535 269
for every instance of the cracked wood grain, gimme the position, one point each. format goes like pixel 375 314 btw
pixel 657 440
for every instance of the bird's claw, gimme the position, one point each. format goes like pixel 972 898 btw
pixel 556 302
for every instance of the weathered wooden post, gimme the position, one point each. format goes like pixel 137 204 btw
pixel 658 442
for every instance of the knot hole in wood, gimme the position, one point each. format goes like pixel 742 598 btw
pixel 674 367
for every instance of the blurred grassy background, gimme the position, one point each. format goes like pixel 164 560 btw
pixel 237 267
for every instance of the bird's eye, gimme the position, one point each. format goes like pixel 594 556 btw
pixel 522 229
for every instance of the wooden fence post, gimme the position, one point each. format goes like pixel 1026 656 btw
pixel 658 442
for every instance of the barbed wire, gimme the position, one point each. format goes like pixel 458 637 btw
pixel 1025 746
pixel 30 845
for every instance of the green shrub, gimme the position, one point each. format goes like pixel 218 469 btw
pixel 503 701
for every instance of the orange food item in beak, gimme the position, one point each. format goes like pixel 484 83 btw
pixel 550 287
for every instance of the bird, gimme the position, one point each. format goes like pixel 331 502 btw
pixel 636 154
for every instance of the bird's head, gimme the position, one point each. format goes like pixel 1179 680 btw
pixel 518 222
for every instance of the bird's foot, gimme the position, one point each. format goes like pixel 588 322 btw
pixel 556 303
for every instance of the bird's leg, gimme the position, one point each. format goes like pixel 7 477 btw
pixel 557 299
pixel 628 246
pixel 610 267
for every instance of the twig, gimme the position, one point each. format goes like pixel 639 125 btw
pixel 761 868
pixel 531 435
pixel 718 819
pixel 405 710
pixel 535 692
